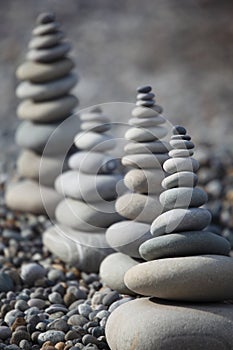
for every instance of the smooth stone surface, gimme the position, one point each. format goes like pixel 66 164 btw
pixel 174 165
pixel 145 112
pixel 143 134
pixel 43 72
pixel 85 251
pixel 86 217
pixel 181 179
pixel 6 283
pixel 44 170
pixel 183 197
pixel 144 89
pixel 181 144
pixel 144 181
pixel 28 196
pixel 146 122
pixel 192 278
pixel 145 96
pixel 113 269
pixel 139 207
pixel 94 142
pixel 95 126
pixel 147 147
pixel 48 111
pixel 90 188
pixel 92 163
pixel 145 161
pixel 50 54
pixel 184 244
pixel 52 139
pixel 46 91
pixel 127 236
pixel 46 28
pixel 177 153
pixel 31 272
pixel 45 41
pixel 159 325
pixel 178 220
pixel 95 116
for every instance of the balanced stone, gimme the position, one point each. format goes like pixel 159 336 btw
pixel 95 126
pixel 143 134
pixel 95 115
pixel 92 163
pixel 144 161
pixel 180 153
pixel 181 144
pixel 143 112
pixel 147 122
pixel 50 54
pixel 144 181
pixel 183 197
pixel 94 142
pixel 191 278
pixel 184 244
pixel 46 28
pixel 41 42
pixel 45 17
pixel 174 165
pixel 147 147
pixel 181 179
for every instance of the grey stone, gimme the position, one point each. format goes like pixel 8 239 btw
pixel 40 303
pixel 184 244
pixel 145 161
pixel 161 325
pixel 183 197
pixel 147 122
pixel 180 153
pixel 92 162
pixel 181 144
pixel 45 17
pixel 147 147
pixel 94 116
pixel 94 142
pixel 45 41
pixel 51 335
pixel 145 96
pixel 145 89
pixel 144 181
pixel 32 272
pixel 144 112
pixel 50 54
pixel 181 179
pixel 174 165
pixel 5 332
pixel 203 278
pixel 145 134
pixel 95 126
pixel 178 220
pixel 6 283
pixel 46 28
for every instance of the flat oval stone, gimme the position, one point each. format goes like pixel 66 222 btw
pixel 184 244
pixel 113 269
pixel 48 111
pixel 90 188
pixel 174 165
pixel 177 153
pixel 43 72
pixel 145 103
pixel 50 54
pixel 145 96
pixel 93 163
pixel 97 117
pixel 127 236
pixel 45 17
pixel 83 250
pixel 45 41
pixel 143 134
pixel 46 28
pixel 146 122
pixel 139 207
pixel 144 89
pixel 181 179
pixel 147 147
pixel 181 144
pixel 183 197
pixel 202 278
pixel 144 181
pixel 175 326
pixel 86 217
pixel 95 126
pixel 143 112
pixel 178 220
pixel 94 142
pixel 145 161
pixel 29 196
pixel 46 91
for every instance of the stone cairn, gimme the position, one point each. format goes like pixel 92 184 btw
pixel 140 206
pixel 46 133
pixel 186 266
pixel 90 192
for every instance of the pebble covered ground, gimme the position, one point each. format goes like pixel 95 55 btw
pixel 45 304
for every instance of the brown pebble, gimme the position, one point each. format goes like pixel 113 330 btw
pixel 69 298
pixel 48 345
pixel 19 321
pixel 60 346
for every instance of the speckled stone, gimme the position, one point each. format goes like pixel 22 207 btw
pixel 144 181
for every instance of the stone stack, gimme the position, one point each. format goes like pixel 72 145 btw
pixel 140 206
pixel 90 192
pixel 186 267
pixel 47 130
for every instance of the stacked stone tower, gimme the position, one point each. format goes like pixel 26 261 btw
pixel 140 206
pixel 90 192
pixel 47 130
pixel 186 266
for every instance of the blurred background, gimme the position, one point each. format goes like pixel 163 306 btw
pixel 183 48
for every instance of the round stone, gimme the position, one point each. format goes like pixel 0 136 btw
pixel 113 269
pixel 143 112
pixel 46 17
pixel 178 130
pixel 94 142
pixel 184 244
pixel 86 217
pixel 178 220
pixel 177 153
pixel 93 163
pixel 48 111
pixel 147 147
pixel 90 188
pixel 147 122
pixel 183 197
pixel 175 326
pixel 46 91
pixel 144 181
pixel 51 335
pixel 46 28
pixel 181 179
pixel 50 54
pixel 145 161
pixel 95 126
pixel 139 207
pixel 202 278
pixel 144 89
pixel 145 96
pixel 181 144
pixel 82 250
pixel 175 165
pixel 29 196
pixel 31 272
pixel 127 236
pixel 45 41
pixel 143 134
pixel 43 72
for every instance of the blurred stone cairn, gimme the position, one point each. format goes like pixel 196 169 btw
pixel 140 206
pixel 90 192
pixel 188 275
pixel 47 130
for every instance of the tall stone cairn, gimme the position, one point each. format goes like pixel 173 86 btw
pixel 45 139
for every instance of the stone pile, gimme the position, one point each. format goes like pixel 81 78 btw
pixel 47 130
pixel 90 192
pixel 186 267
pixel 140 206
